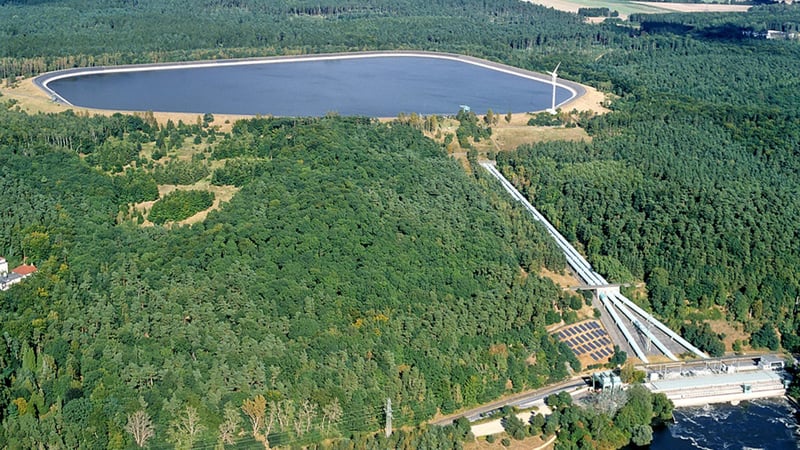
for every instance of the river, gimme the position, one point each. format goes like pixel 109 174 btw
pixel 769 424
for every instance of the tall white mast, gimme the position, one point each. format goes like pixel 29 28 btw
pixel 554 77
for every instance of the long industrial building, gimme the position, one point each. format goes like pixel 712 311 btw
pixel 722 382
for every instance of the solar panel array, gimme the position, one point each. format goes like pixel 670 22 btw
pixel 587 339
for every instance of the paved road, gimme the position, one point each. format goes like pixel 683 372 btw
pixel 522 400
pixel 496 426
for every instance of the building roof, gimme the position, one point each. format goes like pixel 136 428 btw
pixel 707 381
pixel 770 358
pixel 25 269
pixel 7 280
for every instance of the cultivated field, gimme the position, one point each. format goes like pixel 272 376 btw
pixel 626 8
pixel 696 7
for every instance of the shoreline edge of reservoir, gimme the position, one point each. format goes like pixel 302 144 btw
pixel 42 81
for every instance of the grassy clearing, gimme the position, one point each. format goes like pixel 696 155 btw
pixel 509 138
pixel 222 194
pixel 508 135
pixel 732 331
pixel 186 153
pixel 563 281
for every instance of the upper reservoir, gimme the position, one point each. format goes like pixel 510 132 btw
pixel 374 84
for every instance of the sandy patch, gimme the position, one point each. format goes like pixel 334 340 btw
pixel 509 138
pixel 593 100
pixel 30 98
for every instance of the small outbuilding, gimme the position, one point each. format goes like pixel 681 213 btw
pixel 606 380
pixel 771 362
pixel 10 278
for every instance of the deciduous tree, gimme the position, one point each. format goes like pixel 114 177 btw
pixel 140 426
pixel 186 428
pixel 261 420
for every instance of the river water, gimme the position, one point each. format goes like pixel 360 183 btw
pixel 376 87
pixel 769 424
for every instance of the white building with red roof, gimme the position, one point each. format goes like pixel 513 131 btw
pixel 17 274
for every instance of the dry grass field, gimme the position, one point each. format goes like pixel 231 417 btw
pixel 507 136
pixel 564 281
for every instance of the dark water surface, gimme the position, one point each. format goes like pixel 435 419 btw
pixel 377 87
pixel 768 424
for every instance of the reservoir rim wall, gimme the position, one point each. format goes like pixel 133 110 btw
pixel 42 81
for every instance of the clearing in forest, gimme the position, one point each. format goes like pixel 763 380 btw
pixel 221 194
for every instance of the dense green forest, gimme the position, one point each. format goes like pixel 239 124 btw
pixel 361 264
pixel 357 262
pixel 691 183
pixel 60 34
